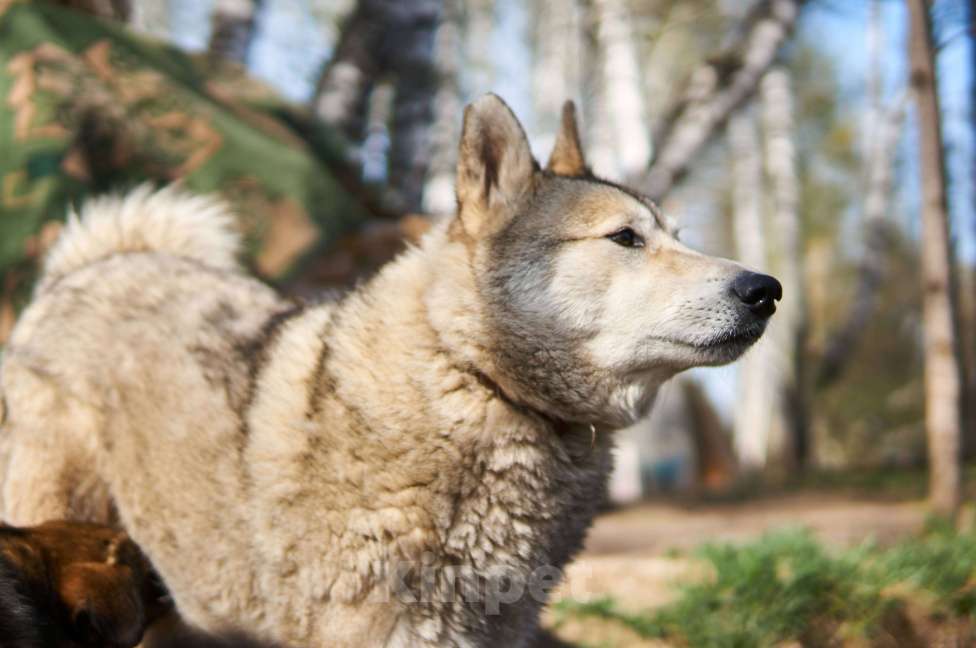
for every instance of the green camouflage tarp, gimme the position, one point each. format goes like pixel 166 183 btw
pixel 88 106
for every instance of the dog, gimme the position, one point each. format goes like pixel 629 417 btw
pixel 411 465
pixel 74 585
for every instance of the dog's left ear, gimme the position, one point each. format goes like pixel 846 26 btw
pixel 495 166
pixel 567 155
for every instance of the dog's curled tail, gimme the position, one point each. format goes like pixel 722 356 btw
pixel 145 220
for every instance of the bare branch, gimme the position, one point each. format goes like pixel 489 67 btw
pixel 717 88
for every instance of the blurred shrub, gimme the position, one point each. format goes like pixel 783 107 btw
pixel 786 587
pixel 88 106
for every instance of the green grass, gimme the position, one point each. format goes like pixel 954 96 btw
pixel 786 586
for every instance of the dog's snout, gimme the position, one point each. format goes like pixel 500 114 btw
pixel 758 292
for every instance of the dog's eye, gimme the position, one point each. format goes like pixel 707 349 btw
pixel 627 238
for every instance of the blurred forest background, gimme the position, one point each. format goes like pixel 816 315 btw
pixel 831 143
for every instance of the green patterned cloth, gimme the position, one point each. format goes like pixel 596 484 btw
pixel 87 106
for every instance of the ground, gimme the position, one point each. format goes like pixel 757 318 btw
pixel 636 553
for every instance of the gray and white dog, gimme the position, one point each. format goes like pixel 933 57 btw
pixel 409 466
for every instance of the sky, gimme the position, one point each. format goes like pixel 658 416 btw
pixel 845 22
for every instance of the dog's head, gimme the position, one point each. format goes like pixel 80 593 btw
pixel 591 301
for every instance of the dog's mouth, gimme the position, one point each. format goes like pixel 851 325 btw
pixel 725 345
pixel 742 336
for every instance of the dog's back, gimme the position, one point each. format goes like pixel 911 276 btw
pixel 140 316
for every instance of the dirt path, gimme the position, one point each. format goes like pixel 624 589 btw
pixel 656 528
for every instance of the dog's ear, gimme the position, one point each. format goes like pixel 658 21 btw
pixel 495 166
pixel 567 155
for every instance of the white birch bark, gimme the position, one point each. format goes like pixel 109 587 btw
pixel 410 43
pixel 479 64
pixel 151 17
pixel 342 94
pixel 943 389
pixel 717 88
pixel 556 67
pixel 754 407
pixel 395 40
pixel 595 134
pixel 787 437
pixel 625 148
pixel 448 109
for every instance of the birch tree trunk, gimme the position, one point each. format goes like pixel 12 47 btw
pixel 448 107
pixel 410 58
pixel 556 67
pixel 479 21
pixel 342 94
pixel 942 367
pixel 595 135
pixel 233 29
pixel 754 407
pixel 717 88
pixel 620 146
pixel 151 18
pixel 395 39
pixel 969 439
pixel 788 438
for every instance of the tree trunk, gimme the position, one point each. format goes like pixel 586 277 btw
pixel 717 88
pixel 409 52
pixel 620 146
pixel 448 107
pixel 556 64
pixel 942 368
pixel 969 441
pixel 479 19
pixel 151 18
pixel 788 439
pixel 754 407
pixel 342 95
pixel 233 29
pixel 391 39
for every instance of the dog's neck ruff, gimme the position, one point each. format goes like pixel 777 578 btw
pixel 562 428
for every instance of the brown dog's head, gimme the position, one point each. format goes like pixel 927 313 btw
pixel 590 300
pixel 89 585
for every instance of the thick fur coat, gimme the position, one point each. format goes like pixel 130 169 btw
pixel 409 466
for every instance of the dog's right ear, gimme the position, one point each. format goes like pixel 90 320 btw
pixel 495 166
pixel 567 155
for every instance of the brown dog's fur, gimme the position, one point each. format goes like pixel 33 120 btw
pixel 74 585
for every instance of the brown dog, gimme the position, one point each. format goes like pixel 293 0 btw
pixel 74 585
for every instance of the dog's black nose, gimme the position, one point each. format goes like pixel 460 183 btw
pixel 758 292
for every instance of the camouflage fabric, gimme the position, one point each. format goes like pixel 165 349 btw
pixel 87 106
